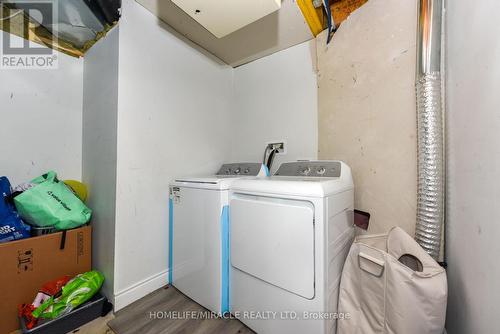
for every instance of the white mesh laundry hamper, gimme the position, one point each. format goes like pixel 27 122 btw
pixel 380 294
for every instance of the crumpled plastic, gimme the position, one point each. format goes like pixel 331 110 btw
pixel 76 292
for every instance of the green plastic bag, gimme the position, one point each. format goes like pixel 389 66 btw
pixel 76 292
pixel 51 203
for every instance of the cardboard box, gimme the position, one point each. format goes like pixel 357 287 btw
pixel 25 265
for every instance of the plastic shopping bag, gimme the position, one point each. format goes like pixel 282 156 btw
pixel 51 203
pixel 47 291
pixel 11 225
pixel 76 292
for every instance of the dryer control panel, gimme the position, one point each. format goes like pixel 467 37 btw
pixel 310 169
pixel 243 169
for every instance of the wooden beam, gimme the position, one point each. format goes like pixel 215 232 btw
pixel 313 16
pixel 343 8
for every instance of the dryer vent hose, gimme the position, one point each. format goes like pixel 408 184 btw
pixel 430 128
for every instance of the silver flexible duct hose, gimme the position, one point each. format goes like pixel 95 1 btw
pixel 431 179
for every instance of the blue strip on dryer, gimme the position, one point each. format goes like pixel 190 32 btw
pixel 225 259
pixel 170 240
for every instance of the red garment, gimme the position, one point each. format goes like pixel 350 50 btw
pixel 54 287
pixel 49 289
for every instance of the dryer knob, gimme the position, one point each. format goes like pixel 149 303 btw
pixel 305 171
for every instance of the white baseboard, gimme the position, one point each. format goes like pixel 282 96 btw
pixel 137 291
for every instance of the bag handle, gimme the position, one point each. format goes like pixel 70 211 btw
pixel 63 240
pixel 371 264
pixel 49 176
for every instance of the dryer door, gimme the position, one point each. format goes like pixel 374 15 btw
pixel 273 240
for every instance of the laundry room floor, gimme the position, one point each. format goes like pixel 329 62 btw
pixel 149 316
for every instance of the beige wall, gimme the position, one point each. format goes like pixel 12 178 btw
pixel 367 108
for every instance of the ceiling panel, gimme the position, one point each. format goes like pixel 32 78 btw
pixel 274 32
pixel 222 17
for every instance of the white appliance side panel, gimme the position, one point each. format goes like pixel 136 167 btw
pixel 197 245
pixel 273 240
pixel 340 234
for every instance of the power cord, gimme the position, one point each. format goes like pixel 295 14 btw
pixel 270 160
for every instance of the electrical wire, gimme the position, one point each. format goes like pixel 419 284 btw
pixel 270 160
pixel 332 27
pixel 264 160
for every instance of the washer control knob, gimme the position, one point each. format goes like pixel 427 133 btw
pixel 305 171
pixel 321 171
pixel 237 170
pixel 246 171
pixel 227 171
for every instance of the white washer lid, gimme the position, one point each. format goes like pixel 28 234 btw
pixel 228 173
pixel 206 182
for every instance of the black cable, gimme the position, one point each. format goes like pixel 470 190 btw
pixel 271 159
pixel 265 155
pixel 332 27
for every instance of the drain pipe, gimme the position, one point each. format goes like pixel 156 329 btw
pixel 430 130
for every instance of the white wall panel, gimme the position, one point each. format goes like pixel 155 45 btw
pixel 473 78
pixel 173 119
pixel 275 98
pixel 100 112
pixel 41 120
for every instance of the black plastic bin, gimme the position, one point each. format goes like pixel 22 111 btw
pixel 87 312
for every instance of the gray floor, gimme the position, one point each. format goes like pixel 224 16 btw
pixel 164 304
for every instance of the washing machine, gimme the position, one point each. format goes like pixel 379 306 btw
pixel 289 238
pixel 198 234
